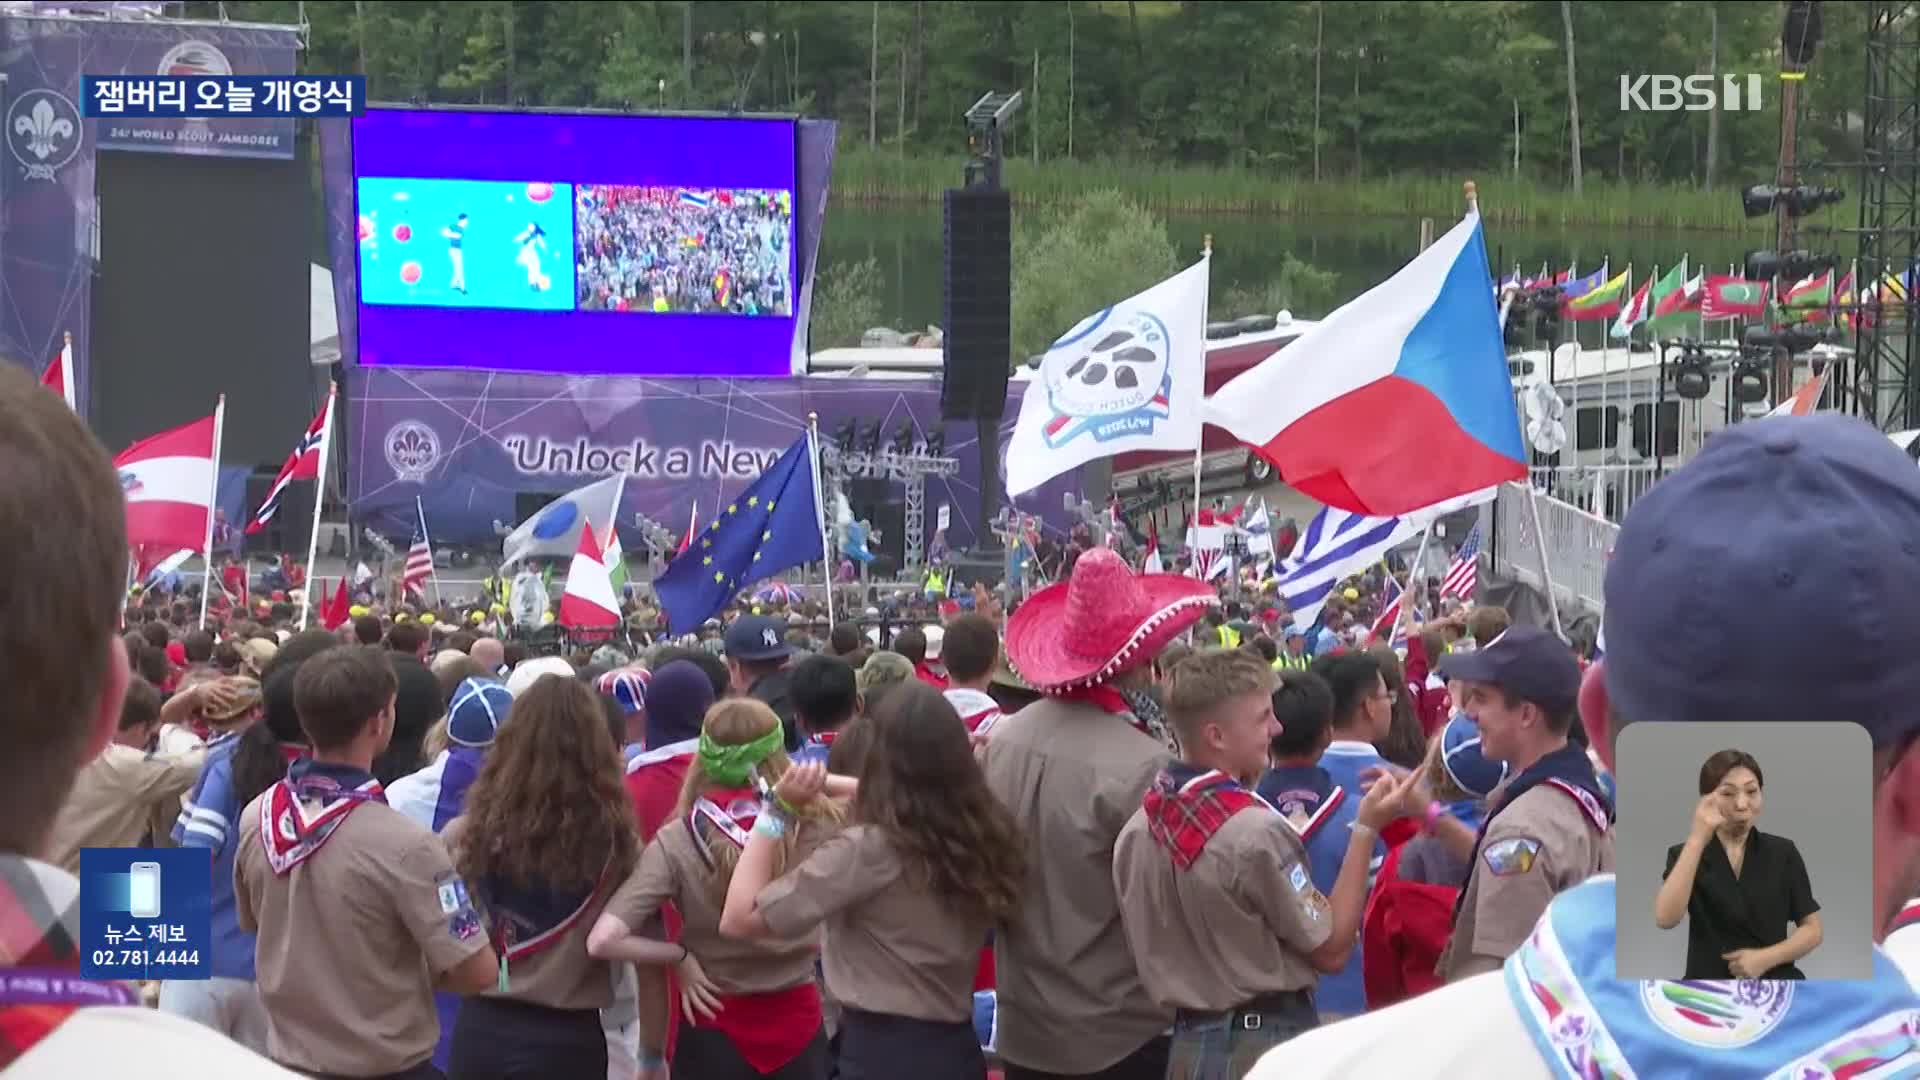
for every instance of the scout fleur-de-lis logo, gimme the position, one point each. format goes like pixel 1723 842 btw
pixel 43 132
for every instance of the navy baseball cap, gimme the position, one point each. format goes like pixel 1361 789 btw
pixel 1526 662
pixel 757 637
pixel 1807 527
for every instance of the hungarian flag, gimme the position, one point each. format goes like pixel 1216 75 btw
pixel 59 375
pixel 1733 298
pixel 1601 302
pixel 168 483
pixel 1635 312
pixel 589 603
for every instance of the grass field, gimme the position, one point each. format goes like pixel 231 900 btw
pixel 863 175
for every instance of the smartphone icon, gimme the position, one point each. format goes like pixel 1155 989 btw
pixel 143 897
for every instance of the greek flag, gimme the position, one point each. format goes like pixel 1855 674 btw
pixel 1336 545
pixel 695 199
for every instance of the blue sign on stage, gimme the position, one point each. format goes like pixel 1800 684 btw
pixel 146 913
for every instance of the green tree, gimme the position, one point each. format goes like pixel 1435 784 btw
pixel 1103 251
pixel 846 304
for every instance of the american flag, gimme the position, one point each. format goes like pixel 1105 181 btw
pixel 1463 576
pixel 419 559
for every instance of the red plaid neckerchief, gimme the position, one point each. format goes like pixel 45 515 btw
pixel 1186 807
pixel 303 810
pixel 39 956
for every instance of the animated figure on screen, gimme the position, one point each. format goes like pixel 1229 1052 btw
pixel 456 234
pixel 1737 887
pixel 533 241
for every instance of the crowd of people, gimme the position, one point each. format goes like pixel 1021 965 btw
pixel 663 249
pixel 1123 831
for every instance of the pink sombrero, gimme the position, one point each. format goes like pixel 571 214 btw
pixel 1103 620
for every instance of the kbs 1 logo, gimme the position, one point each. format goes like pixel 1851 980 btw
pixel 1691 93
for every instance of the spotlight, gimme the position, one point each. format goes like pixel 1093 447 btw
pixel 1761 199
pixel 1749 382
pixel 1767 265
pixel 903 439
pixel 937 444
pixel 844 435
pixel 871 441
pixel 1691 379
pixel 1787 339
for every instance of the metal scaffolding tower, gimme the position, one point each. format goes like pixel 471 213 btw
pixel 1886 377
pixel 910 469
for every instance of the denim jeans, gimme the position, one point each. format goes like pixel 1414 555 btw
pixel 1225 1046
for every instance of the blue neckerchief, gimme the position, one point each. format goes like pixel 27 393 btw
pixel 1569 765
pixel 1297 792
pixel 1589 1025
pixel 526 920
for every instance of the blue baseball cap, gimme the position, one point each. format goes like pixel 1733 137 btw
pixel 478 709
pixel 757 637
pixel 1526 662
pixel 1803 524
pixel 1466 766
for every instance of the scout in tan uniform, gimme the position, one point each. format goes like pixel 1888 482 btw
pixel 1551 826
pixel 749 1008
pixel 1073 767
pixel 358 911
pixel 545 835
pixel 1214 888
pixel 906 892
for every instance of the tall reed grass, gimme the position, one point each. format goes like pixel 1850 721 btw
pixel 864 175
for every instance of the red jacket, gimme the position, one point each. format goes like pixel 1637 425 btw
pixel 1403 933
pixel 1430 703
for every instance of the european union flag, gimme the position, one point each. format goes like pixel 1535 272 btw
pixel 773 525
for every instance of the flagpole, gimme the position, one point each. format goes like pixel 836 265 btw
pixel 67 378
pixel 433 574
pixel 213 497
pixel 1413 577
pixel 319 493
pixel 820 514
pixel 1200 444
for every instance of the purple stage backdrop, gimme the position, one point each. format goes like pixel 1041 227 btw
pixel 48 214
pixel 577 149
pixel 467 444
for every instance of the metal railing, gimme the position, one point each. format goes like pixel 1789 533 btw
pixel 1576 542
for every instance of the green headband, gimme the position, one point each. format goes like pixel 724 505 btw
pixel 733 764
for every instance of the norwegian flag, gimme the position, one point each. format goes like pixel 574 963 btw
pixel 419 559
pixel 1389 616
pixel 1463 576
pixel 303 464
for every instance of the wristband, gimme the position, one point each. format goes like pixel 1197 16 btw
pixel 1361 827
pixel 770 824
pixel 1435 811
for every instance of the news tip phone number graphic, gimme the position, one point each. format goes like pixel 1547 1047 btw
pixel 230 96
pixel 146 959
pixel 145 913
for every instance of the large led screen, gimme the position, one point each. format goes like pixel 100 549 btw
pixel 575 244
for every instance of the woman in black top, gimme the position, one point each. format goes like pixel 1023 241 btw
pixel 1737 887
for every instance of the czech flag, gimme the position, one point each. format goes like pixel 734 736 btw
pixel 1398 400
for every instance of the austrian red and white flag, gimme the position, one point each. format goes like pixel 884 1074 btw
pixel 589 602
pixel 302 464
pixel 168 483
pixel 59 375
pixel 1153 563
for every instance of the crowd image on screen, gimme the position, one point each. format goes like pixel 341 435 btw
pixel 676 250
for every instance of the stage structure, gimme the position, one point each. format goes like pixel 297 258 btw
pixel 1886 376
pixel 910 469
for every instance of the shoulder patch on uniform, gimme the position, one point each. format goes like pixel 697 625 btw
pixel 1510 857
pixel 1297 877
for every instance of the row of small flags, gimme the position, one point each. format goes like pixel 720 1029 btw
pixel 1665 301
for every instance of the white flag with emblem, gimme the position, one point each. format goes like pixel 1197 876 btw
pixel 1129 378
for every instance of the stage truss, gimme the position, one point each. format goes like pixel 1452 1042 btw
pixel 1887 379
pixel 910 470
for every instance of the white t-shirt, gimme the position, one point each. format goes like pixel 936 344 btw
pixel 132 1041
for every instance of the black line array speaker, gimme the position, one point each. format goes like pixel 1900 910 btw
pixel 977 304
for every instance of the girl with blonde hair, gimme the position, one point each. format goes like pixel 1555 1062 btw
pixel 750 1009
